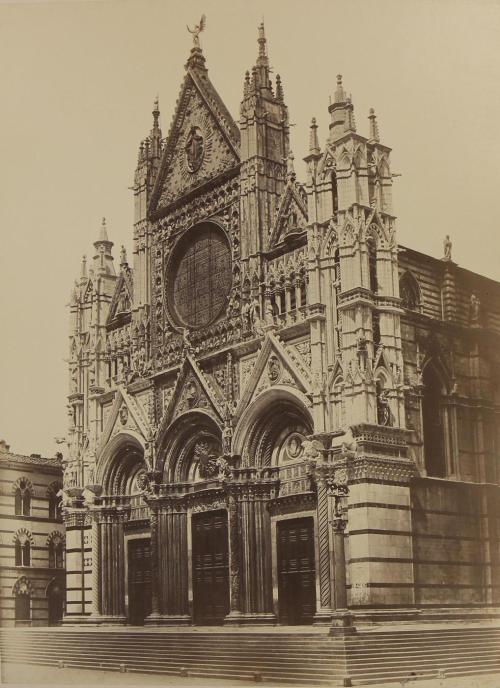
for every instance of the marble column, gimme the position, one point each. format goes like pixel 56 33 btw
pixel 172 548
pixel 112 563
pixel 250 550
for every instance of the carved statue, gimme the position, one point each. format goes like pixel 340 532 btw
pixel 447 245
pixel 475 309
pixel 383 411
pixel 312 449
pixel 197 30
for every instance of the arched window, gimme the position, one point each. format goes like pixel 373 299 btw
pixel 22 497
pixel 337 290
pixel 22 553
pixel 56 551
pixel 372 264
pixel 22 592
pixel 409 292
pixel 433 425
pixel 55 502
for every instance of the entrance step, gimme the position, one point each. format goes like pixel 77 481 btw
pixel 369 657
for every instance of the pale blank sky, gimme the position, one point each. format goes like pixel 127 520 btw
pixel 78 84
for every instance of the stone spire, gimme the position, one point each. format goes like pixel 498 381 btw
pixel 103 258
pixel 83 269
pixel 314 148
pixel 340 95
pixel 260 72
pixel 374 132
pixel 341 112
pixel 155 136
pixel 123 257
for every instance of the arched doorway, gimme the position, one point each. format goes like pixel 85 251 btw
pixel 275 427
pixel 192 447
pixel 128 576
pixel 55 599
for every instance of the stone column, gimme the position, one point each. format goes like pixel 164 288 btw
pixel 155 582
pixel 112 562
pixel 250 547
pixel 341 618
pixel 233 511
pixel 324 607
pixel 171 546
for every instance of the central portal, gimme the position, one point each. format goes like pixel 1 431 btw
pixel 210 568
pixel 296 571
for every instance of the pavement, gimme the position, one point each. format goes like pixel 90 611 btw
pixel 20 674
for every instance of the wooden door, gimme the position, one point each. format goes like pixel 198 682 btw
pixel 210 568
pixel 139 580
pixel 296 571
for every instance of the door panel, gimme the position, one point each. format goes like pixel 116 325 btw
pixel 139 580
pixel 296 571
pixel 210 568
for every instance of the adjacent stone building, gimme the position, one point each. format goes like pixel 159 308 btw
pixel 32 578
pixel 277 413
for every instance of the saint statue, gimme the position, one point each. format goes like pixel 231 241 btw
pixel 447 248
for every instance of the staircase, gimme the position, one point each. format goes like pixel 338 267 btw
pixel 370 657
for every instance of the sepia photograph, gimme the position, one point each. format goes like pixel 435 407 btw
pixel 250 343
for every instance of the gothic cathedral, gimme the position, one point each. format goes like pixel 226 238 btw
pixel 277 414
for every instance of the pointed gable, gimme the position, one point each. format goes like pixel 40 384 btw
pixel 191 391
pixel 121 303
pixel 203 141
pixel 291 218
pixel 125 415
pixel 276 364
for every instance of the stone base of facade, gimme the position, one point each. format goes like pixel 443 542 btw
pixel 168 620
pixel 323 617
pixel 372 617
pixel 342 624
pixel 244 619
pixel 94 619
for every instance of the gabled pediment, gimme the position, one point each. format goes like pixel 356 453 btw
pixel 274 365
pixel 203 141
pixel 291 218
pixel 125 415
pixel 122 298
pixel 192 390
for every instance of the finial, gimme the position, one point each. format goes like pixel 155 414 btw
pixel 290 169
pixel 103 233
pixel 123 256
pixel 447 246
pixel 350 124
pixel 246 83
pixel 196 32
pixel 262 40
pixel 374 133
pixel 279 89
pixel 339 96
pixel 156 111
pixel 84 266
pixel 313 138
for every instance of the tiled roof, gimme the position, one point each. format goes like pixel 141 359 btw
pixel 34 460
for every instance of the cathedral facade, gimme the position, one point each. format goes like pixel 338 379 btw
pixel 277 414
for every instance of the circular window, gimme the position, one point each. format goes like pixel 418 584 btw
pixel 199 276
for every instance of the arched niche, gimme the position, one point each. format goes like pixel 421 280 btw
pixel 121 465
pixel 192 443
pixel 434 420
pixel 271 430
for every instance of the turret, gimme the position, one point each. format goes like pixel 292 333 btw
pixel 264 127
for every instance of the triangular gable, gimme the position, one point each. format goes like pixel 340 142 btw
pixel 291 218
pixel 203 141
pixel 122 298
pixel 275 365
pixel 125 415
pixel 191 391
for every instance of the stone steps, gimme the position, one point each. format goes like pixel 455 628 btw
pixel 370 657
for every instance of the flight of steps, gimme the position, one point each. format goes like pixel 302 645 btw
pixel 370 657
